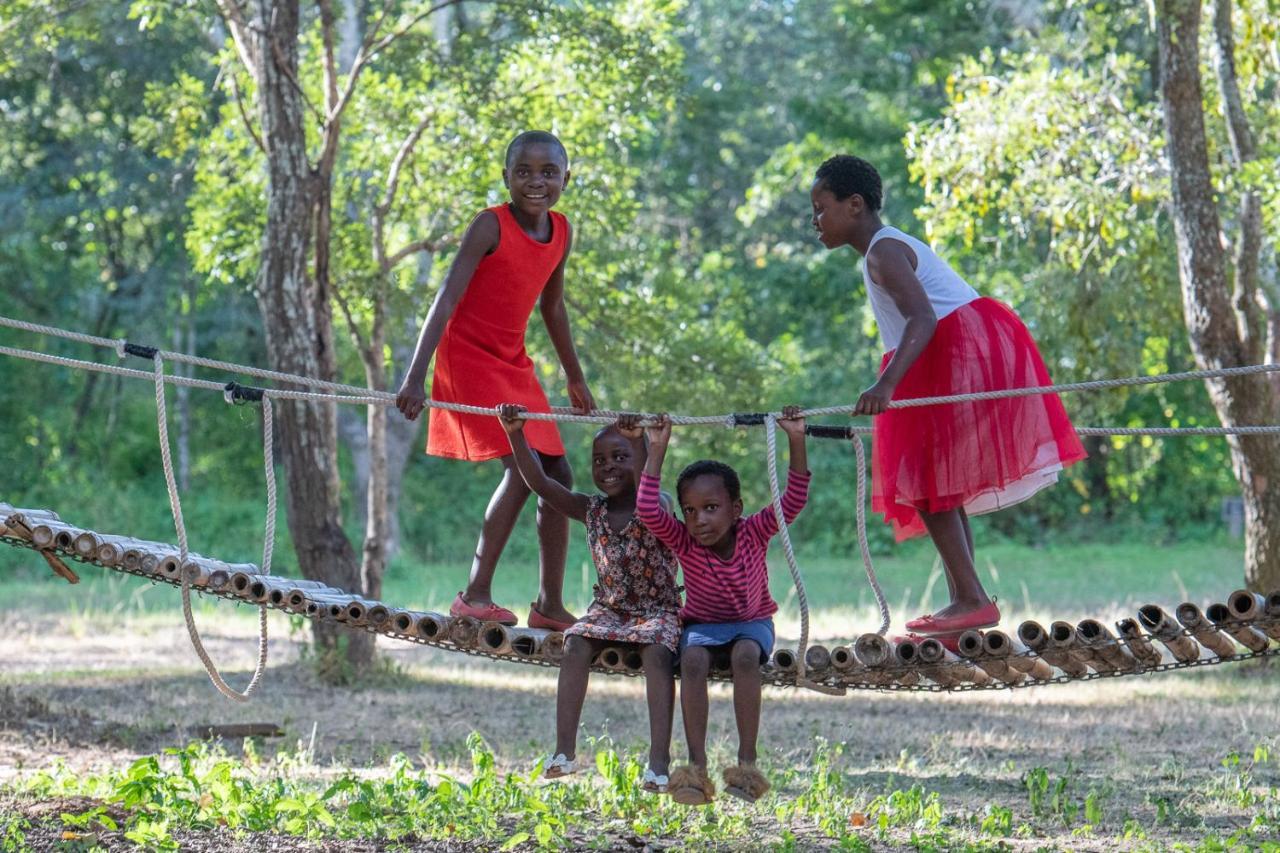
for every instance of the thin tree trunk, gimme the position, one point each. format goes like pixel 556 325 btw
pixel 296 316
pixel 1214 326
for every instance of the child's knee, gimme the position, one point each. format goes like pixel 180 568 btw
pixel 745 655
pixel 656 657
pixel 578 648
pixel 695 662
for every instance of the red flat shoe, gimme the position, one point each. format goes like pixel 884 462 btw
pixel 484 612
pixel 537 620
pixel 987 616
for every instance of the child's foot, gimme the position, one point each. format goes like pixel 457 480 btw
pixel 691 786
pixel 559 765
pixel 745 782
pixel 655 783
pixel 551 621
pixel 957 618
pixel 485 611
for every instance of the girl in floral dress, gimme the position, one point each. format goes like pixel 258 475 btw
pixel 637 601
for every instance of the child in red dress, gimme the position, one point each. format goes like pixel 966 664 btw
pixel 934 466
pixel 511 258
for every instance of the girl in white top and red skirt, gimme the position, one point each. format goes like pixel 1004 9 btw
pixel 933 466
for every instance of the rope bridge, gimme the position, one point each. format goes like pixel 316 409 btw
pixel 990 661
pixel 1242 628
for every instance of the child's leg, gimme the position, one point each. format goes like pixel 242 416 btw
pixel 660 690
pixel 499 519
pixel 695 665
pixel 953 538
pixel 745 663
pixel 571 691
pixel 553 545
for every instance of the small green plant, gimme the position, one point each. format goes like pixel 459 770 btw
pixel 997 821
pixel 13 834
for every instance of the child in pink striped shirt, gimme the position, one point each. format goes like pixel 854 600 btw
pixel 727 601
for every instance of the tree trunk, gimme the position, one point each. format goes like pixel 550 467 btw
pixel 296 316
pixel 1212 321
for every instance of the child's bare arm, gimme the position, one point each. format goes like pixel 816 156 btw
pixel 793 425
pixel 890 263
pixel 481 238
pixel 569 503
pixel 556 318
pixel 659 435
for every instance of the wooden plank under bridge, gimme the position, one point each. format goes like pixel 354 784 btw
pixel 1243 627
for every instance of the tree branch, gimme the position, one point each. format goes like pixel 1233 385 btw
pixel 415 247
pixel 244 116
pixel 1250 303
pixel 381 209
pixel 233 17
pixel 352 326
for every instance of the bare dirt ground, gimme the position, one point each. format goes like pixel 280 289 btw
pixel 104 693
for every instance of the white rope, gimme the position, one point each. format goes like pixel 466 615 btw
pixel 865 548
pixel 175 505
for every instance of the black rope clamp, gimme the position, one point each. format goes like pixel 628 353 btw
pixel 742 419
pixel 149 353
pixel 829 431
pixel 237 394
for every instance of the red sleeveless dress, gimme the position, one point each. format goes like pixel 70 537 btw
pixel 481 359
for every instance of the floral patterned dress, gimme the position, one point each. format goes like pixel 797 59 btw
pixel 637 600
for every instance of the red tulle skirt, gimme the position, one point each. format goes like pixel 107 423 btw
pixel 980 456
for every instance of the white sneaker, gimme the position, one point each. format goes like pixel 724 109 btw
pixel 558 765
pixel 653 783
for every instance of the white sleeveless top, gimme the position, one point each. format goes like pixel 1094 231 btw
pixel 946 290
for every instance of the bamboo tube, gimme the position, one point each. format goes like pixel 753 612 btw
pixel 553 647
pixel 1251 638
pixel 872 651
pixel 1036 638
pixel 431 626
pixel 170 566
pixel 1249 606
pixel 1138 644
pixel 493 638
pixel 842 659
pixel 1203 632
pixel 463 631
pixel 999 645
pixel 1063 637
pixel 632 661
pixel 527 642
pixel 196 572
pixel 1159 625
pixel 59 568
pixel 784 660
pixel 64 538
pixel 42 535
pixel 611 658
pixel 817 659
pixel 86 545
pixel 240 583
pixel 378 615
pixel 402 622
pixel 906 653
pixel 356 613
pixel 109 553
pixel 1099 640
pixel 971 648
pixel 945 668
pixel 131 559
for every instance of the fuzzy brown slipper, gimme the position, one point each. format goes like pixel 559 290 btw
pixel 691 786
pixel 745 782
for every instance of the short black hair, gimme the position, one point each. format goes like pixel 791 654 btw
pixel 845 175
pixel 710 466
pixel 534 137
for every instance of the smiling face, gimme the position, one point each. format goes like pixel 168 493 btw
pixel 709 510
pixel 536 174
pixel 613 464
pixel 834 219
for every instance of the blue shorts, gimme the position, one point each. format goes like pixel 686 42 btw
pixel 713 634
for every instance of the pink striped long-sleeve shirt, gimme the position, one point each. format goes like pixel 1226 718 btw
pixel 716 590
